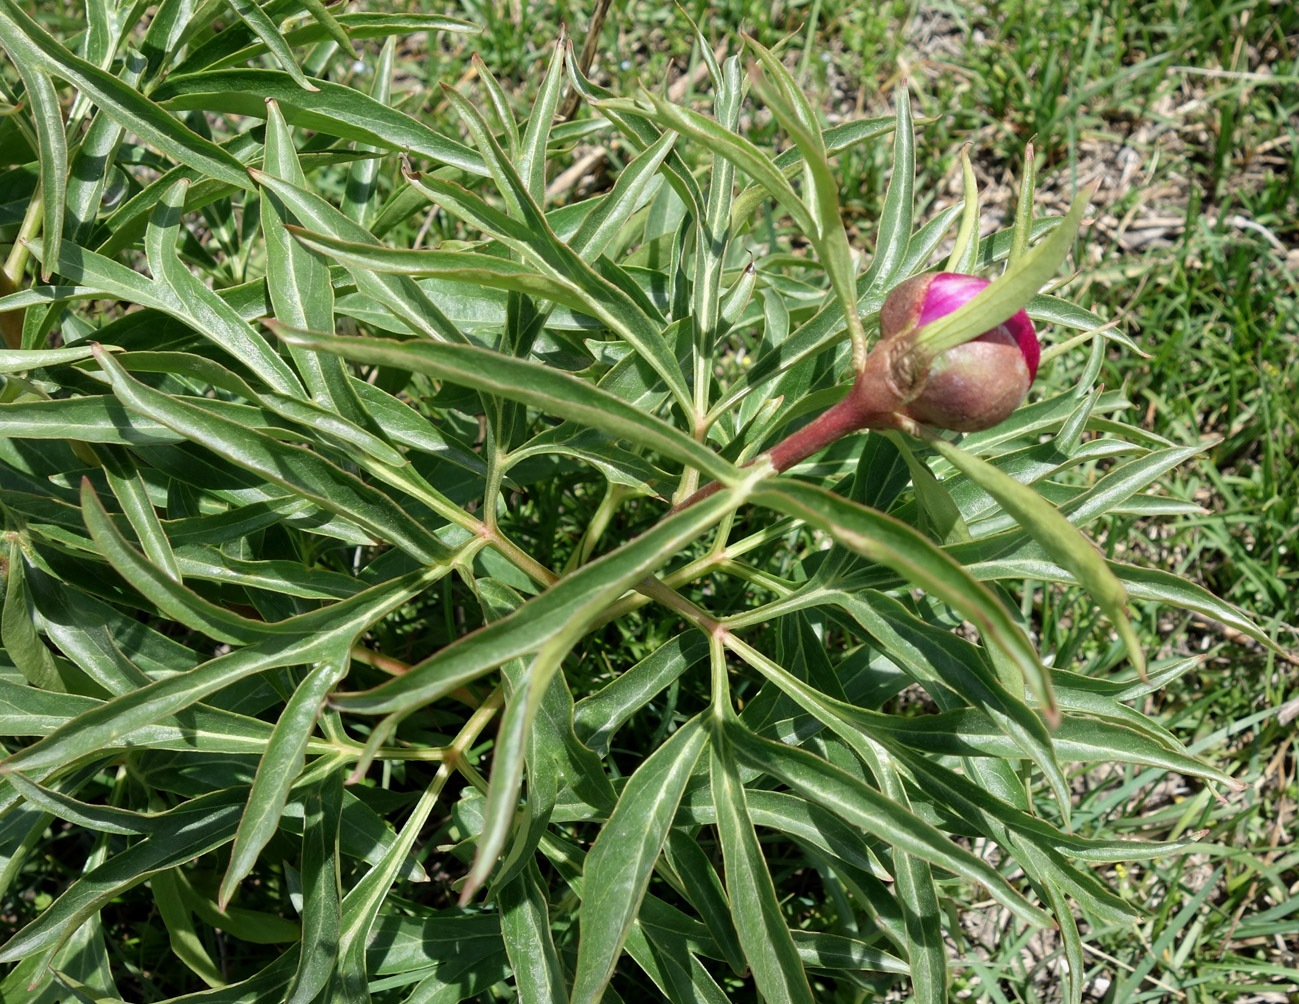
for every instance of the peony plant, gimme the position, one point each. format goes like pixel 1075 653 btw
pixel 368 633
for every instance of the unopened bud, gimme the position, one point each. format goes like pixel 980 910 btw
pixel 971 386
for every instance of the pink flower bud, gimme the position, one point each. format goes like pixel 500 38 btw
pixel 972 386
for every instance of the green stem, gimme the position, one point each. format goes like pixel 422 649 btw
pixel 11 321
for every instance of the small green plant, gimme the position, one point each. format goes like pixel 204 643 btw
pixel 296 510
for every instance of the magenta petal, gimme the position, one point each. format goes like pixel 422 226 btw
pixel 948 291
pixel 1022 328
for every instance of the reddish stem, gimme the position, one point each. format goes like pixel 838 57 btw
pixel 871 404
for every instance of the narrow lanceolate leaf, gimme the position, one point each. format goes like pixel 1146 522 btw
pixel 1058 537
pixel 831 240
pixel 200 305
pixel 132 494
pixel 29 43
pixel 602 223
pixel 863 806
pixel 965 252
pixel 335 111
pixel 764 935
pixel 30 656
pixel 294 467
pixel 362 902
pixel 360 194
pixel 469 267
pixel 619 865
pixel 321 899
pixel 167 593
pixel 1023 224
pixel 922 912
pixel 894 233
pixel 329 25
pixel 527 232
pixel 641 133
pixel 297 279
pixel 924 649
pixel 230 49
pixel 194 828
pixel 525 928
pixel 532 148
pixel 264 28
pixel 544 388
pixel 398 293
pixel 1141 584
pixel 896 545
pixel 22 360
pixel 47 114
pixel 279 767
pixel 310 637
pixel 96 273
pixel 738 150
pixel 102 818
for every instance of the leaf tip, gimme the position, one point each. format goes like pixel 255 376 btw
pixel 469 889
